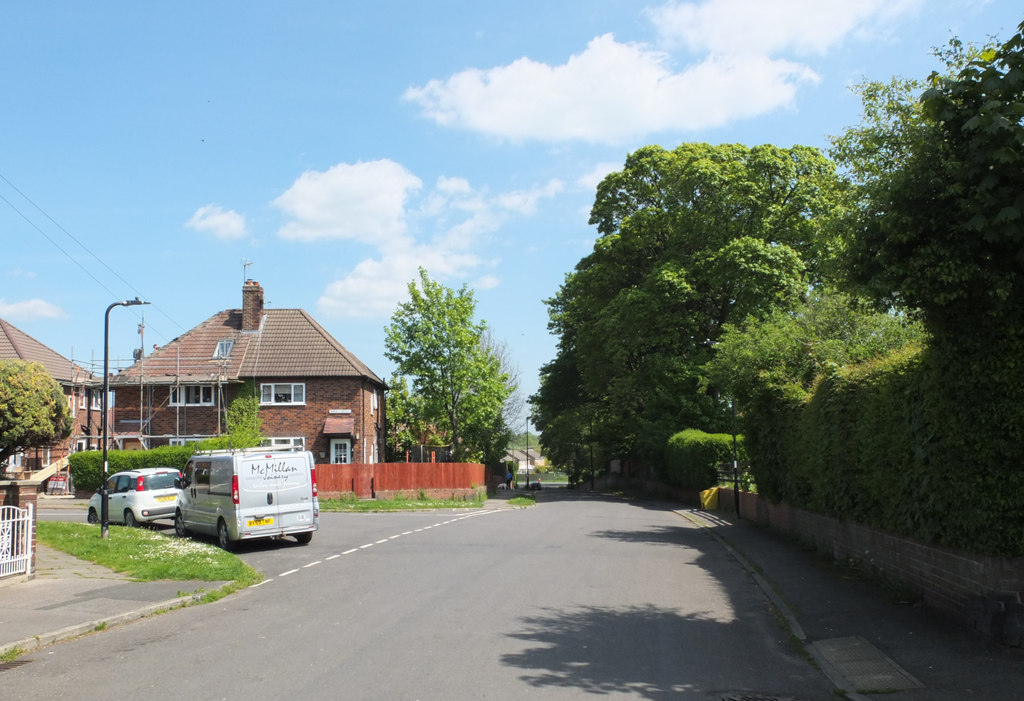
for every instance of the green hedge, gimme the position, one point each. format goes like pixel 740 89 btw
pixel 692 458
pixel 917 444
pixel 87 467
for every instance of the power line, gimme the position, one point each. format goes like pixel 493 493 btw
pixel 82 246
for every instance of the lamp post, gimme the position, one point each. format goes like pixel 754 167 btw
pixel 527 453
pixel 104 493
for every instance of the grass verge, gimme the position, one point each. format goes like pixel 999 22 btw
pixel 526 500
pixel 398 503
pixel 147 555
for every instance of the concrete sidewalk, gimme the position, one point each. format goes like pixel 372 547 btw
pixel 873 643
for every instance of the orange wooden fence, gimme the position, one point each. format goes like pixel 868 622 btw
pixel 368 480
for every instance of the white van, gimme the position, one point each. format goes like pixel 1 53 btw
pixel 252 493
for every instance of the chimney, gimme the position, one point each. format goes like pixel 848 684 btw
pixel 252 305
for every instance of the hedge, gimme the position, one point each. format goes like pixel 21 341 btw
pixel 692 458
pixel 87 467
pixel 920 444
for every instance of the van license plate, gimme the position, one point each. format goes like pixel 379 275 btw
pixel 253 522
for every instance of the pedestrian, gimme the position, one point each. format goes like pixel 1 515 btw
pixel 508 480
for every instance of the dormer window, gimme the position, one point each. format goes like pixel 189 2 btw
pixel 224 349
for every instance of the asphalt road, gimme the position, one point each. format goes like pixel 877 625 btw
pixel 573 598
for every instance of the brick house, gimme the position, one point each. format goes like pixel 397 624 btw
pixel 314 393
pixel 82 390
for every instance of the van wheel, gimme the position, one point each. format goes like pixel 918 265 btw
pixel 93 517
pixel 179 525
pixel 129 519
pixel 223 537
pixel 303 538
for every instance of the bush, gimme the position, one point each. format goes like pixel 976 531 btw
pixel 918 444
pixel 87 467
pixel 692 458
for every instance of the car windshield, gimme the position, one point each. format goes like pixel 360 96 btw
pixel 161 480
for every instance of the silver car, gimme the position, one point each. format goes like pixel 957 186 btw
pixel 138 496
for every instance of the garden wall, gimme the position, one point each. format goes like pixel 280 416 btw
pixel 985 592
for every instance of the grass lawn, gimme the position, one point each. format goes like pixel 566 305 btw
pixel 147 555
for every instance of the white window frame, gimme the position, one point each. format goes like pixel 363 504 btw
pixel 96 400
pixel 223 349
pixel 184 395
pixel 270 391
pixel 339 442
pixel 285 442
pixel 183 441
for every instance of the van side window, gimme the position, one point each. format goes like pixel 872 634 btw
pixel 203 473
pixel 221 472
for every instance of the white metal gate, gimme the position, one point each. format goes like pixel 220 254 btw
pixel 15 540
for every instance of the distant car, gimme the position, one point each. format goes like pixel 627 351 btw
pixel 138 496
pixel 534 485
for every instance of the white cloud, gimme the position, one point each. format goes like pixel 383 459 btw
pixel 593 177
pixel 442 232
pixel 30 309
pixel 364 202
pixel 772 26
pixel 211 218
pixel 739 65
pixel 611 92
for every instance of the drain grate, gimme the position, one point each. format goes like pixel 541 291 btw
pixel 4 666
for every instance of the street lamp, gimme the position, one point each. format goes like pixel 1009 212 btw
pixel 527 452
pixel 104 493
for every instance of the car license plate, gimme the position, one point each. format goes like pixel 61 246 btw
pixel 167 497
pixel 253 522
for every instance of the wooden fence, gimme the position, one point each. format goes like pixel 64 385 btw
pixel 385 479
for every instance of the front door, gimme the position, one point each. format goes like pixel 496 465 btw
pixel 341 451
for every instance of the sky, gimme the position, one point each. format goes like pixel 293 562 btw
pixel 327 149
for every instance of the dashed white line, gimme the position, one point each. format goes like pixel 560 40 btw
pixel 370 545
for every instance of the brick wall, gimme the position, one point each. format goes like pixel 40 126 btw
pixel 322 396
pixel 984 592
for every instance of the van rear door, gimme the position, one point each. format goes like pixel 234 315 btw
pixel 275 493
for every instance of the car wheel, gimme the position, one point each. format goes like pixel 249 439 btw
pixel 223 537
pixel 179 525
pixel 93 517
pixel 303 538
pixel 129 519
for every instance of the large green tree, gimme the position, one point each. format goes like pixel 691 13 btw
pixel 434 340
pixel 689 239
pixel 33 410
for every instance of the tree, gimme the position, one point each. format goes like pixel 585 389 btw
pixel 407 425
pixel 690 239
pixel 33 410
pixel 785 354
pixel 245 428
pixel 434 340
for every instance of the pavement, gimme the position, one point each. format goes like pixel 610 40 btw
pixel 872 642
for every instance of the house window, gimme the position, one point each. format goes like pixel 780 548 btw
pixel 299 442
pixel 283 393
pixel 192 395
pixel 183 441
pixel 341 451
pixel 223 349
pixel 96 398
pixel 373 403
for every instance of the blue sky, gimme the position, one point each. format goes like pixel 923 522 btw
pixel 149 149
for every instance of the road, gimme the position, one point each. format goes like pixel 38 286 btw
pixel 575 597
